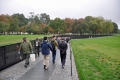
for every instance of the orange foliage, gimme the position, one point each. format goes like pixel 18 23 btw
pixel 68 30
pixel 80 20
pixel 10 18
pixel 22 29
pixel 43 25
pixel 69 23
pixel 51 30
pixel 3 18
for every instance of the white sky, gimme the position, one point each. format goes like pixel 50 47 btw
pixel 109 9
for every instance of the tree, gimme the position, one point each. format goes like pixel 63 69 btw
pixel 22 20
pixel 87 22
pixel 100 24
pixel 37 20
pixel 45 30
pixel 109 26
pixel 44 18
pixel 96 26
pixel 57 25
pixel 115 30
pixel 29 27
pixel 80 23
pixel 22 29
pixel 69 24
pixel 3 27
pixel 50 30
pixel 119 31
pixel 85 27
pixel 14 25
pixel 3 18
pixel 4 23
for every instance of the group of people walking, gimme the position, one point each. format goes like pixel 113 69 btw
pixel 45 47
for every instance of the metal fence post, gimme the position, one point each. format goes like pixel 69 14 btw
pixel 70 58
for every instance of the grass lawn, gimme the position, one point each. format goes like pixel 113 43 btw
pixel 10 39
pixel 97 58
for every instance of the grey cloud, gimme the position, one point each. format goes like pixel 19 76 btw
pixel 109 9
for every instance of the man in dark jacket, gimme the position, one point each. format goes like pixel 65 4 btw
pixel 46 47
pixel 63 48
pixel 67 39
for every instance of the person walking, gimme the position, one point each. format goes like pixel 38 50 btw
pixel 37 47
pixel 63 48
pixel 58 39
pixel 67 39
pixel 26 48
pixel 54 44
pixel 45 49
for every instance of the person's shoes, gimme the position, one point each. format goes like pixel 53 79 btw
pixel 63 66
pixel 44 66
pixel 53 62
pixel 25 66
pixel 28 64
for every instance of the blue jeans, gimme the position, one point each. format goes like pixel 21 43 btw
pixel 53 55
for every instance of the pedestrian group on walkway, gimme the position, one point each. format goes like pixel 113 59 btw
pixel 46 48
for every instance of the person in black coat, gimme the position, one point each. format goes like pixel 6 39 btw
pixel 63 48
pixel 37 47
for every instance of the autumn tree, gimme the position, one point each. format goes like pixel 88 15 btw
pixel 57 25
pixel 22 29
pixel 45 30
pixel 4 25
pixel 50 30
pixel 41 23
pixel 69 24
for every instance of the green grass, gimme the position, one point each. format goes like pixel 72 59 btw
pixel 11 39
pixel 97 58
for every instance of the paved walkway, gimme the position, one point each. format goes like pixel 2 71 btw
pixel 36 71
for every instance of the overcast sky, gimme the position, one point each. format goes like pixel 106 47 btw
pixel 109 9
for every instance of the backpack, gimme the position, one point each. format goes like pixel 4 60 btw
pixel 53 44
